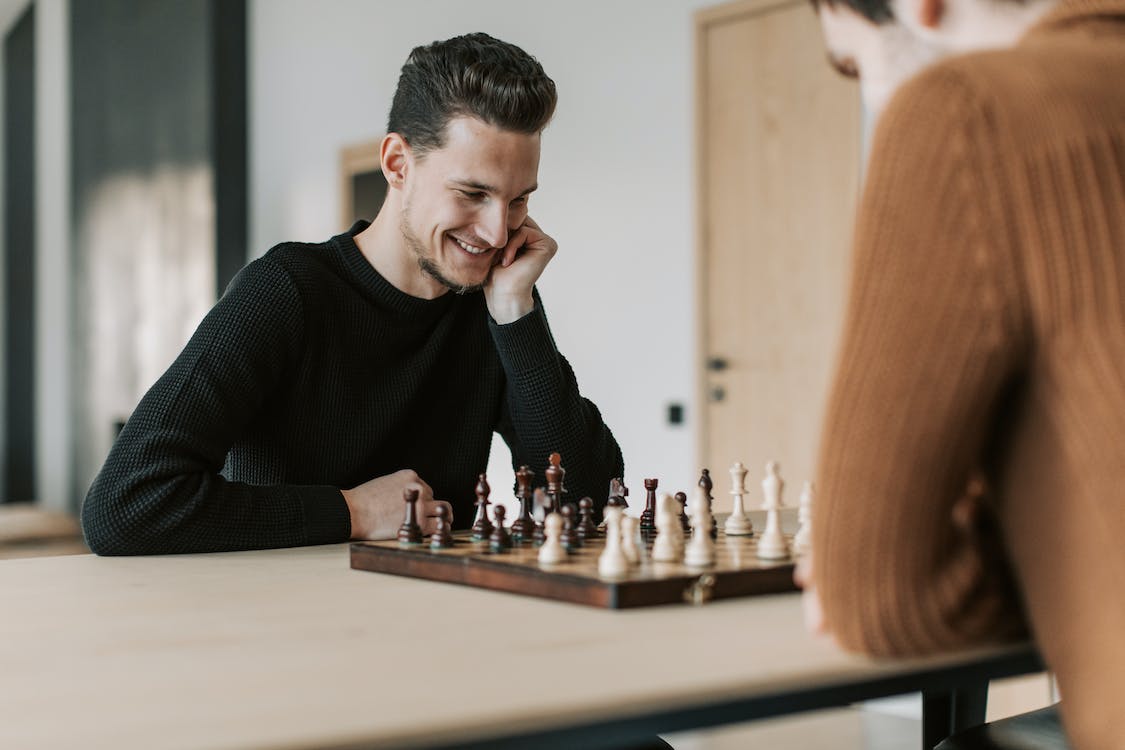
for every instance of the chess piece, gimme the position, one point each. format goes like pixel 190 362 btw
pixel 617 493
pixel 772 546
pixel 685 522
pixel 555 474
pixel 523 528
pixel 612 563
pixel 499 540
pixel 410 532
pixel 442 538
pixel 700 551
pixel 630 534
pixel 482 527
pixel 541 502
pixel 802 542
pixel 648 515
pixel 587 529
pixel 707 485
pixel 570 538
pixel 668 546
pixel 552 552
pixel 737 523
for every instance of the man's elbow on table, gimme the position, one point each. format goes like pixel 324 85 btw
pixel 115 522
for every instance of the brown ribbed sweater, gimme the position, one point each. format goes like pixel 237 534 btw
pixel 986 337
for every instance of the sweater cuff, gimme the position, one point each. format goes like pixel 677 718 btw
pixel 525 344
pixel 327 519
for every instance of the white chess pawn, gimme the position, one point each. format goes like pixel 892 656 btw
pixel 772 544
pixel 552 552
pixel 612 563
pixel 631 542
pixel 668 546
pixel 802 542
pixel 700 551
pixel 737 523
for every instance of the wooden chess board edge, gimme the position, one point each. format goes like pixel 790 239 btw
pixel 482 573
pixel 561 586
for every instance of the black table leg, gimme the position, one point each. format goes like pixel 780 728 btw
pixel 947 711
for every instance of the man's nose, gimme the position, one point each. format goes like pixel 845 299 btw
pixel 494 227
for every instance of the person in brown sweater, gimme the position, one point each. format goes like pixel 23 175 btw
pixel 970 475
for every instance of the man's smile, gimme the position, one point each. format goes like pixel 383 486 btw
pixel 470 248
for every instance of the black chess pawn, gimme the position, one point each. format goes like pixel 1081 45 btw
pixel 442 537
pixel 482 527
pixel 706 483
pixel 648 515
pixel 570 538
pixel 523 528
pixel 587 529
pixel 499 540
pixel 685 522
pixel 410 532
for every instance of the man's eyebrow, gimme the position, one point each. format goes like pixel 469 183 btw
pixel 482 187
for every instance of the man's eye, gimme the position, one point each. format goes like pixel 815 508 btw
pixel 473 195
pixel 521 201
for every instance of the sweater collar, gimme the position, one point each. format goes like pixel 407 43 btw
pixel 378 288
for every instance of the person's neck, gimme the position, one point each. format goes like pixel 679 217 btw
pixel 974 25
pixel 384 247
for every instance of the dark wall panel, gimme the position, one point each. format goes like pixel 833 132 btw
pixel 228 127
pixel 151 203
pixel 18 470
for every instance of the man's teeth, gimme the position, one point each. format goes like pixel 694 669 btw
pixel 471 249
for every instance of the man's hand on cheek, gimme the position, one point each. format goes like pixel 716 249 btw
pixel 508 291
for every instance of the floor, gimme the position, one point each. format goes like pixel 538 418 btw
pixel 886 724
pixel 839 729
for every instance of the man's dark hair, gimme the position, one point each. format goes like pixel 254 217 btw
pixel 476 75
pixel 876 11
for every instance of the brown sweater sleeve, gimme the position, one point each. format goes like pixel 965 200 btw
pixel 931 344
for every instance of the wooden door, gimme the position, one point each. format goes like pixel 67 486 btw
pixel 779 167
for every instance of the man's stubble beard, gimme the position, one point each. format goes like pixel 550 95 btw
pixel 427 264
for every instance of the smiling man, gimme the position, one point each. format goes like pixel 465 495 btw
pixel 332 377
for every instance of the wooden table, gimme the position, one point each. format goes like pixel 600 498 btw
pixel 292 649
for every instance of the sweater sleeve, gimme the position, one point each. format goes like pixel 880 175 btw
pixel 545 413
pixel 161 490
pixel 932 349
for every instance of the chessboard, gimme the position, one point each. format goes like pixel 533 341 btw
pixel 624 562
pixel 737 571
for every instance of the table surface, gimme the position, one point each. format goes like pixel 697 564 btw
pixel 293 649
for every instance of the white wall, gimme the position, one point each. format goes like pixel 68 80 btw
pixel 616 178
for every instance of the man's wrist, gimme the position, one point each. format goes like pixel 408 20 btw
pixel 510 309
pixel 351 513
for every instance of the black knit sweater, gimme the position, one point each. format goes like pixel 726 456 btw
pixel 313 373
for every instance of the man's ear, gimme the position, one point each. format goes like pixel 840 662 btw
pixel 930 13
pixel 394 158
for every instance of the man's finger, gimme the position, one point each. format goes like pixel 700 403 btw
pixel 515 242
